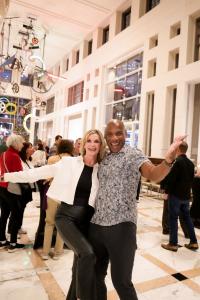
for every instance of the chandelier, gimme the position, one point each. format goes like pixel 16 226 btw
pixel 22 49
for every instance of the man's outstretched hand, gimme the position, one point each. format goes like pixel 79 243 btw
pixel 171 152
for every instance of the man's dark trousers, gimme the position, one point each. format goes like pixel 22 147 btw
pixel 116 244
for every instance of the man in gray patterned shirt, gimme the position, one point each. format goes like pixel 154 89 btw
pixel 113 229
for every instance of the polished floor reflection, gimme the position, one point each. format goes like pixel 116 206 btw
pixel 158 274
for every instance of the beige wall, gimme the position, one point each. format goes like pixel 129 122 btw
pixel 158 22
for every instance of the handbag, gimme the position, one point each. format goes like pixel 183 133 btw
pixel 25 186
pixel 13 188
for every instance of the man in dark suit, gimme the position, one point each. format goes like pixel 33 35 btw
pixel 179 183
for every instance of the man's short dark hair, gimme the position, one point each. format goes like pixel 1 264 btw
pixel 183 147
pixel 65 146
pixel 78 139
pixel 40 146
pixel 57 137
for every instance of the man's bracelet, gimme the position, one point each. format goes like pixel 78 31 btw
pixel 168 164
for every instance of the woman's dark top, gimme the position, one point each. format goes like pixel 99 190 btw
pixel 83 188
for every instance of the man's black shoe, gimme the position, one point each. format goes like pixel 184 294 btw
pixel 4 244
pixel 13 248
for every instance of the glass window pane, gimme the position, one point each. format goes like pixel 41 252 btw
pixel 135 134
pixel 50 105
pixel 137 109
pixel 134 63
pixel 126 17
pixel 131 85
pixel 128 110
pixel 132 109
pixel 119 90
pixel 139 82
pixel 118 111
pixel 105 34
pixel 127 20
pixel 121 69
pixel 197 41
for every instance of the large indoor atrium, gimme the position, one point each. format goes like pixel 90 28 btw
pixel 114 85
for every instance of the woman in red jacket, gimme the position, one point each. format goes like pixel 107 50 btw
pixel 9 202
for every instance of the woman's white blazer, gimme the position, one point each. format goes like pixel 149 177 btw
pixel 65 173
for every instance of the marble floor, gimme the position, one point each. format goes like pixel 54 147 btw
pixel 158 274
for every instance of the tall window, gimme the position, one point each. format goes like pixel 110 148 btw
pixel 149 123
pixel 153 41
pixel 175 30
pixel 197 41
pixel 176 60
pixel 196 124
pixel 174 92
pixel 105 35
pixel 47 134
pixel 151 4
pixel 50 105
pixel 75 94
pixel 123 91
pixel 173 59
pixel 89 47
pixel 67 64
pixel 170 113
pixel 77 56
pixel 151 68
pixel 126 18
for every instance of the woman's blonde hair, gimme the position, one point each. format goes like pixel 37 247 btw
pixel 101 153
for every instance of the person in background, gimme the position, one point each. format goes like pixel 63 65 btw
pixel 112 232
pixel 138 190
pixel 195 207
pixel 74 184
pixel 47 149
pixel 65 148
pixel 39 159
pixel 53 149
pixel 10 203
pixel 25 155
pixel 179 183
pixel 77 147
pixel 165 214
pixel 39 141
pixel 39 156
pixel 3 146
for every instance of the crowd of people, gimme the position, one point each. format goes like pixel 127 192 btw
pixel 89 192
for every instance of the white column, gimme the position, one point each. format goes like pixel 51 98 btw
pixel 135 11
pixel 181 116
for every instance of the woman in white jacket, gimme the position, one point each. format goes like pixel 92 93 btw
pixel 74 184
